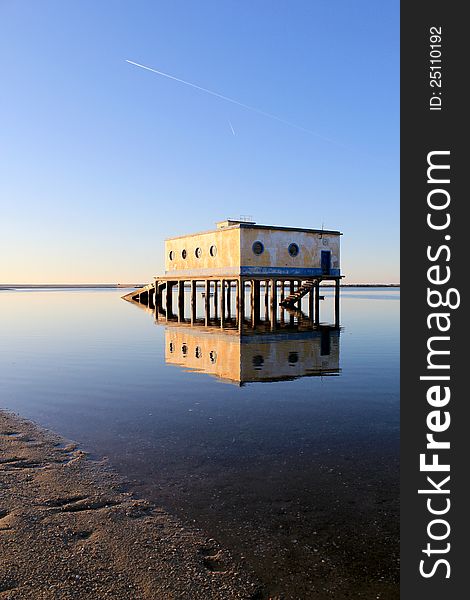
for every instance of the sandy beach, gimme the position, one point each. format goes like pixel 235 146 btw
pixel 69 529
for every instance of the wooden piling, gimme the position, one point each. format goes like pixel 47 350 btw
pixel 229 299
pixel 193 301
pixel 169 299
pixel 255 302
pixel 337 292
pixel 273 316
pixel 222 303
pixel 311 303
pixel 158 295
pixel 216 298
pixel 317 302
pixel 180 301
pixel 266 299
pixel 240 303
pixel 207 300
pixel 252 302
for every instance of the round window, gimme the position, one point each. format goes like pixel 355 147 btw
pixel 258 248
pixel 213 251
pixel 171 256
pixel 293 358
pixel 293 249
pixel 183 253
pixel 258 362
pixel 198 252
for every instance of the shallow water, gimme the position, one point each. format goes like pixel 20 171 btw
pixel 299 476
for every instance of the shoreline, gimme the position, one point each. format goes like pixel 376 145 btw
pixel 69 286
pixel 69 529
pixel 117 286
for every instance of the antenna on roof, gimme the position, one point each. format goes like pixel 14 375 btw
pixel 242 219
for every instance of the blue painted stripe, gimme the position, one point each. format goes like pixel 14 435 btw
pixel 288 271
pixel 253 270
pixel 292 336
pixel 212 272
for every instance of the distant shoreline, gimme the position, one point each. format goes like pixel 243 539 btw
pixel 66 286
pixel 85 286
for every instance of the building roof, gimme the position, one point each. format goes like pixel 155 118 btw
pixel 232 224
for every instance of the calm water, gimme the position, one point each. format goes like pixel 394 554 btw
pixel 298 476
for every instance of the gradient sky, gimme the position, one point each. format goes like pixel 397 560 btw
pixel 101 160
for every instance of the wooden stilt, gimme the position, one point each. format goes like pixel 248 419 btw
pixel 207 301
pixel 180 301
pixel 266 300
pixel 216 298
pixel 158 295
pixel 311 300
pixel 317 302
pixel 222 303
pixel 337 292
pixel 193 301
pixel 240 303
pixel 255 301
pixel 169 299
pixel 252 303
pixel 229 299
pixel 299 301
pixel 291 319
pixel 273 317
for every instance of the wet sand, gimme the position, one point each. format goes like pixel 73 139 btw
pixel 68 529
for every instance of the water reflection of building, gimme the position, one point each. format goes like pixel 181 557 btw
pixel 244 343
pixel 255 356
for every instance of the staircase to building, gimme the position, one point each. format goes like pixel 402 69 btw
pixel 137 295
pixel 302 291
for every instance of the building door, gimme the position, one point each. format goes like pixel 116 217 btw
pixel 325 262
pixel 325 343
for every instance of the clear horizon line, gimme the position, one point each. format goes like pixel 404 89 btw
pixel 127 283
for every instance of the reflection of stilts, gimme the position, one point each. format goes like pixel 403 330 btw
pixel 217 300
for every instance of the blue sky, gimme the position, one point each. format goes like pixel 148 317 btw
pixel 101 160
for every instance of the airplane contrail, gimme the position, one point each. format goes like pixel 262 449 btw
pixel 231 127
pixel 233 101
